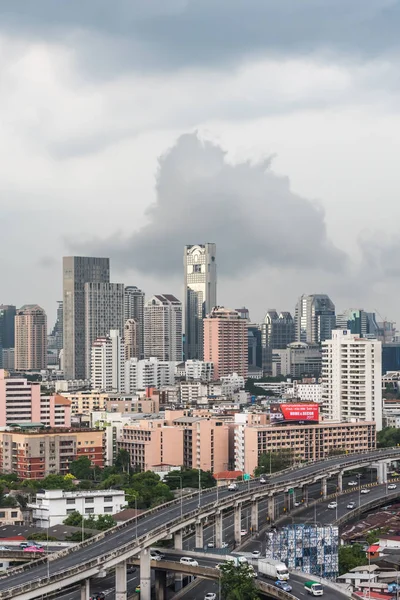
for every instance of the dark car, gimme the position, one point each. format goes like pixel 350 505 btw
pixel 131 569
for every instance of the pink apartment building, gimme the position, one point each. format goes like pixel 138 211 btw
pixel 225 342
pixel 21 402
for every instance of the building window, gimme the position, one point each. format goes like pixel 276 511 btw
pixel 70 511
pixel 2 514
pixel 89 511
pixel 89 500
pixel 107 498
pixel 14 514
pixel 108 509
pixel 70 500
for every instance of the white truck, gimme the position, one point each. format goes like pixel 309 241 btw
pixel 275 569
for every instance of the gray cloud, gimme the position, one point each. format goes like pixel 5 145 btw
pixel 178 33
pixel 250 212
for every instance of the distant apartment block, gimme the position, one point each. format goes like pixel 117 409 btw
pixel 134 309
pixel 151 372
pixel 132 339
pixel 30 338
pixel 163 328
pixel 108 363
pixel 298 360
pixel 225 342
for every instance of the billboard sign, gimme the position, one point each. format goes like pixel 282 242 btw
pixel 295 412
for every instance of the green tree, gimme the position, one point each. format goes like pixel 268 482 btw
pixel 42 537
pixel 77 536
pixel 57 482
pixel 123 461
pixel 388 437
pixel 350 557
pixel 104 522
pixel 190 479
pixel 82 468
pixel 274 461
pixel 372 537
pixel 237 582
pixel 74 519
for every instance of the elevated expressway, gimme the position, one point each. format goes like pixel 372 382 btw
pixel 113 548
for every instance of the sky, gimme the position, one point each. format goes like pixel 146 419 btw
pixel 131 128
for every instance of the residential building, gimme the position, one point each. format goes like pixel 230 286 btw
pixel 191 391
pixel 199 369
pixel 225 342
pixel 51 507
pixel 134 309
pixel 7 325
pixel 307 442
pixel 231 384
pixel 30 338
pixel 86 402
pixel 277 332
pixel 163 328
pixel 298 360
pixel 151 372
pixel 351 378
pixel 72 385
pixel 78 270
pixel 307 392
pixel 108 363
pixel 36 453
pixel 104 311
pixel 9 359
pixel 244 313
pixel 11 516
pixel 200 294
pixel 145 402
pixel 390 357
pixel 314 319
pixel 132 339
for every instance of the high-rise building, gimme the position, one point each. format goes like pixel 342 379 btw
pixel 351 378
pixel 200 294
pixel 298 360
pixel 254 345
pixel 277 332
pixel 134 307
pixel 30 338
pixel 132 335
pixel 225 342
pixel 163 328
pixel 104 311
pixel 357 321
pixel 315 318
pixel 78 270
pixel 108 363
pixel 148 373
pixel 7 325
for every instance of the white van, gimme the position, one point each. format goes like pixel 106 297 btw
pixel 185 560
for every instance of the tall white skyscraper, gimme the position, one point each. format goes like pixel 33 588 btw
pixel 134 306
pixel 315 318
pixel 108 363
pixel 351 378
pixel 104 311
pixel 163 328
pixel 200 294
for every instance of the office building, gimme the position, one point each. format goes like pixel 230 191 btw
pixel 108 363
pixel 390 357
pixel 254 346
pixel 134 309
pixel 36 453
pixel 225 342
pixel 78 270
pixel 277 332
pixel 104 311
pixel 55 339
pixel 163 328
pixel 30 338
pixel 52 506
pixel 147 373
pixel 132 337
pixel 7 320
pixel 314 319
pixel 8 359
pixel 297 360
pixel 351 378
pixel 200 294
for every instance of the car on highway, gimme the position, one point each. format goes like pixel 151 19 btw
pixel 210 545
pixel 392 486
pixel 24 545
pixel 33 549
pixel 264 479
pixel 283 585
pixel 255 554
pixel 297 503
pixel 224 545
pixel 156 555
pixel 243 532
pixel 210 596
pixel 3 548
pixel 232 487
pixel 365 491
pixel 130 569
pixel 332 505
pixel 186 560
pixel 352 482
pixel 351 505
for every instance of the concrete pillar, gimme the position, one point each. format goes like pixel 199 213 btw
pixel 305 494
pixel 381 472
pixel 271 509
pixel 199 535
pixel 340 481
pixel 286 501
pixel 254 516
pixel 324 487
pixel 145 575
pixel 219 531
pixel 85 589
pixel 237 517
pixel 178 540
pixel 120 580
pixel 161 584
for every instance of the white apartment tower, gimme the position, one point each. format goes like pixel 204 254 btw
pixel 163 328
pixel 200 294
pixel 108 363
pixel 351 378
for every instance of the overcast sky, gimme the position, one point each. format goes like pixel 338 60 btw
pixel 270 127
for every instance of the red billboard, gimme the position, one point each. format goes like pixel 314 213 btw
pixel 299 412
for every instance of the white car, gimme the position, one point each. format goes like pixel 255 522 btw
pixel 224 545
pixel 210 596
pixel 332 505
pixel 256 554
pixel 352 483
pixel 243 532
pixel 365 491
pixel 210 545
pixel 392 486
pixel 185 560
pixel 297 503
pixel 351 505
pixel 232 487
